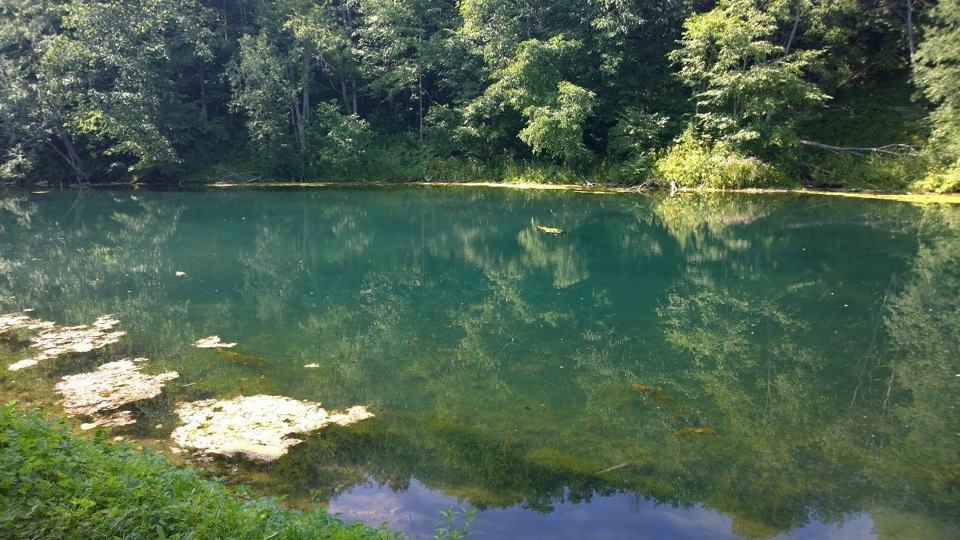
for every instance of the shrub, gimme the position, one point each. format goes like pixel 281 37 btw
pixel 694 162
pixel 943 180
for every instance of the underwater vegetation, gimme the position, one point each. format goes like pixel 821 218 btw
pixel 654 392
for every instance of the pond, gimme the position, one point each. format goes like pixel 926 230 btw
pixel 568 364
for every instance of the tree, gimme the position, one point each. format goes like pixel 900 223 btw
pixel 275 79
pixel 534 84
pixel 742 78
pixel 126 73
pixel 262 91
pixel 496 28
pixel 328 31
pixel 937 73
pixel 402 43
pixel 630 44
pixel 31 124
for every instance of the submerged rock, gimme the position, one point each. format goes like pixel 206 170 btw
pixel 115 419
pixel 257 426
pixel 212 342
pixel 241 359
pixel 56 341
pixel 100 393
pixel 18 321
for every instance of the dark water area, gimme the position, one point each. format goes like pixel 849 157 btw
pixel 706 366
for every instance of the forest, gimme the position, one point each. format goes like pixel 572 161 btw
pixel 726 93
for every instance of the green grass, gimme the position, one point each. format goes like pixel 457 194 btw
pixel 57 485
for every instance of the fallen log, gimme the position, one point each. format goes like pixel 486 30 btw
pixel 898 150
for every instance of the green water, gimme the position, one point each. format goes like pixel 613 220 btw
pixel 718 366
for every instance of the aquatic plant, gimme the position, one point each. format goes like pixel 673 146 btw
pixel 445 529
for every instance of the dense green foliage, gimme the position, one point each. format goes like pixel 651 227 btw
pixel 56 485
pixel 476 89
pixel 938 74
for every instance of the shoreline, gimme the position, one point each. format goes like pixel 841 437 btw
pixel 600 189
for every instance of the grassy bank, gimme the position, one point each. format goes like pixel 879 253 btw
pixel 57 485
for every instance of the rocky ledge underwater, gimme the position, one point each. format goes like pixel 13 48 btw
pixel 258 427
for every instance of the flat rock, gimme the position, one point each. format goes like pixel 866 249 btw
pixel 55 341
pixel 257 427
pixel 98 394
pixel 212 342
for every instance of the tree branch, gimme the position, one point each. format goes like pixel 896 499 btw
pixel 897 150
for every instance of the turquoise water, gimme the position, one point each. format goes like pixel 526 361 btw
pixel 710 366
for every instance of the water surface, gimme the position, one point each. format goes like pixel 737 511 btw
pixel 722 366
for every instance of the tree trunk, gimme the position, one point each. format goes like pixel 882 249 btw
pixel 204 117
pixel 301 107
pixel 298 126
pixel 348 38
pixel 353 94
pixel 420 104
pixel 904 150
pixel 911 45
pixel 306 96
pixel 342 91
pixel 69 155
pixel 793 32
